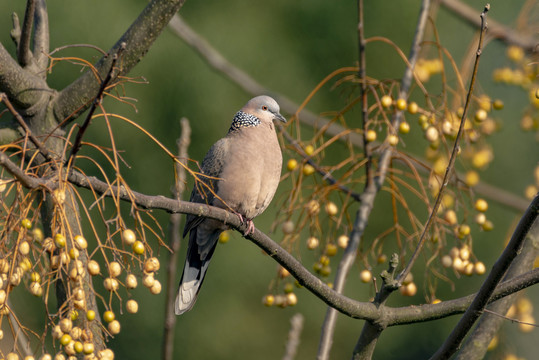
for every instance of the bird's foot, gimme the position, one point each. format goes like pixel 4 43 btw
pixel 249 222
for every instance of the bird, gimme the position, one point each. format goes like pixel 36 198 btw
pixel 243 169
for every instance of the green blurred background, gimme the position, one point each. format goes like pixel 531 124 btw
pixel 288 46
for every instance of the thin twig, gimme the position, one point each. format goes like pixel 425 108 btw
pixel 175 243
pixel 42 149
pixel 456 146
pixel 495 29
pixel 97 100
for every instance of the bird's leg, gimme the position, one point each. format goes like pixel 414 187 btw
pixel 249 222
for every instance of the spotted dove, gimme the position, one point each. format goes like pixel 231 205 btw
pixel 243 169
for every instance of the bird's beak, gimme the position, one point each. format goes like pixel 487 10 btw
pixel 277 116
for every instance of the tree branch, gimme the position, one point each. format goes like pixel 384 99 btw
pixel 24 54
pixel 41 38
pixel 175 243
pixel 77 97
pixel 495 29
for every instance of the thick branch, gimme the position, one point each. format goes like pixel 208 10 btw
pixel 41 38
pixel 23 52
pixel 77 97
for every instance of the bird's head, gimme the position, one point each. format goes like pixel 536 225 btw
pixel 264 108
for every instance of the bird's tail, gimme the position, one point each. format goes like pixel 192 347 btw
pixel 200 250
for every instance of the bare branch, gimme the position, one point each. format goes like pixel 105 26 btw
pixel 175 243
pixel 41 37
pixel 296 326
pixel 24 54
pixel 77 97
pixel 495 29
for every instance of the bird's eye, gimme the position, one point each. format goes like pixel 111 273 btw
pixel 264 107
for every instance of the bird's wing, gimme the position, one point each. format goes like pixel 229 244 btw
pixel 212 168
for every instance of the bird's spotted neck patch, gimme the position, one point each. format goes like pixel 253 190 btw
pixel 243 120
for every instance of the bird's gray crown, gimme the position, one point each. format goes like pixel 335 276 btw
pixel 243 120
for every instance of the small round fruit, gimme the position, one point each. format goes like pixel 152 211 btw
pixel 463 230
pixel 90 315
pixel 401 104
pixel 283 273
pixel 108 316
pixel 288 288
pixel 481 205
pixel 131 281
pixel 479 268
pixel 497 104
pixel 432 134
pixel 80 242
pixel 386 101
pixel 365 276
pixel 156 287
pixel 114 327
pixel 382 258
pixel 36 289
pixel 73 253
pixel 324 260
pixel 291 299
pixel 115 269
pixel 131 306
pixel 393 140
pixel 60 240
pixel 152 264
pixel 78 346
pixel 111 284
pixel 464 252
pixel 408 279
pixel 480 115
pixel 288 227
pixel 309 150
pixel 342 241
pixel 409 290
pixel 26 223
pixel 331 208
pixel 268 300
pixel 312 243
pixel 128 237
pixel 471 178
pixel 224 237
pixel 24 248
pixel 370 135
pixel 447 261
pixel 138 247
pixel 404 127
pixel 308 169
pixel 66 325
pixel 331 249
pixel 65 339
pixel 88 348
pixel 313 207
pixel 148 280
pixel 292 164
pixel 12 356
pixel 413 108
pixel 37 233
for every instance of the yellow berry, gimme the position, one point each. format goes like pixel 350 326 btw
pixel 409 290
pixel 292 164
pixel 156 287
pixel 370 136
pixel 515 53
pixel 342 241
pixel 471 178
pixel 404 127
pixel 128 237
pixel 308 169
pixel 138 247
pixel 463 230
pixel 481 205
pixel 131 306
pixel 26 223
pixel 413 108
pixel 90 315
pixel 393 139
pixel 111 284
pixel 288 227
pixel 65 339
pixel 78 346
pixel 382 258
pixel 115 269
pixel 80 242
pixel 114 327
pixel 497 104
pixel 480 115
pixel 401 104
pixel 24 248
pixel 131 281
pixel 432 134
pixel 324 260
pixel 436 301
pixel 38 234
pixel 108 316
pixel 331 208
pixel 268 300
pixel 479 268
pixel 224 237
pixel 331 249
pixel 488 226
pixel 291 299
pixel 365 276
pixel 386 101
pixel 451 217
pixel 88 348
pixel 93 267
pixel 309 150
pixel 283 273
pixel 66 325
pixel 60 240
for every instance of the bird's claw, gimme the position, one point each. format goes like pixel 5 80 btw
pixel 250 224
